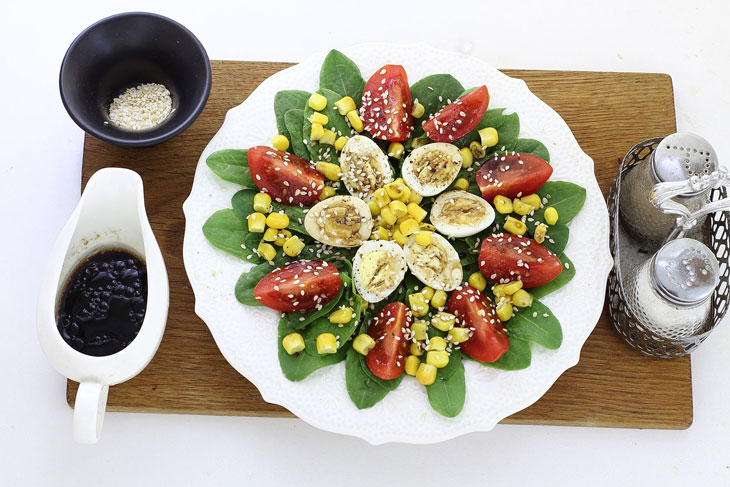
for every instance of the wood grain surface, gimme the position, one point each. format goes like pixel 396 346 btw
pixel 612 386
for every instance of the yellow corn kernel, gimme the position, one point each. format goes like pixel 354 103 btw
pixel 399 237
pixel 396 188
pixel 282 237
pixel 551 215
pixel 380 233
pixel 330 171
pixel 417 212
pixel 423 239
pixel 443 320
pixel 277 220
pixel 388 216
pixel 426 227
pixel 418 304
pixel 462 184
pixel 398 208
pixel 340 142
pixel 408 227
pixel 540 233
pixel 419 329
pixel 418 110
pixel 326 344
pixel 478 281
pixel 319 118
pixel 293 246
pixel 341 316
pixel 505 310
pixel 428 292
pixel 381 197
pixel 355 121
pixel 467 157
pixel 328 137
pixel 532 200
pixel 405 195
pixel 426 374
pixel 271 234
pixel 458 335
pixel 416 349
pixel 498 291
pixel 317 132
pixel 317 102
pixel 363 343
pixel 345 105
pixel 327 192
pixel 412 363
pixel 489 136
pixel 512 287
pixel 437 343
pixel 266 250
pixel 522 299
pixel 293 343
pixel 437 358
pixel 395 150
pixel 262 203
pixel 439 299
pixel 280 142
pixel 256 222
pixel 503 204
pixel 374 207
pixel 415 198
pixel 477 150
pixel 520 207
pixel 515 226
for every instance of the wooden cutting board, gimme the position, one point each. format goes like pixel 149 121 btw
pixel 613 385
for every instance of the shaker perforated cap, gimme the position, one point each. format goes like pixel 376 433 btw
pixel 683 155
pixel 686 272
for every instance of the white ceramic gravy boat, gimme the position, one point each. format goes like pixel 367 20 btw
pixel 110 214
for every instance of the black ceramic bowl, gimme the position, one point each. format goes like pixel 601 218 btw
pixel 124 51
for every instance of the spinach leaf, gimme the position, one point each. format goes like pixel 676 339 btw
pixel 298 366
pixel 283 102
pixel 242 203
pixel 507 127
pixel 561 280
pixel 518 356
pixel 227 232
pixel 364 388
pixel 556 237
pixel 567 198
pixel 341 75
pixel 336 122
pixel 532 146
pixel 294 120
pixel 448 393
pixel 248 281
pixel 434 92
pixel 537 324
pixel 231 165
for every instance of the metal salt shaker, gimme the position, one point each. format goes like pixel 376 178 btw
pixel 670 293
pixel 677 157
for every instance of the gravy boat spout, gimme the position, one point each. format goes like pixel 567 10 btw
pixel 110 215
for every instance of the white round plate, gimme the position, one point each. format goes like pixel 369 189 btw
pixel 247 336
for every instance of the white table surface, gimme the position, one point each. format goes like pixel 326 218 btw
pixel 39 186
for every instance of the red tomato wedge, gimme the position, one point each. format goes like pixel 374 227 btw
pixel 457 119
pixel 512 174
pixel 513 257
pixel 387 359
pixel 386 104
pixel 475 311
pixel 288 179
pixel 299 286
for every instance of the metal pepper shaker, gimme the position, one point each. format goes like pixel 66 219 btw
pixel 670 293
pixel 677 157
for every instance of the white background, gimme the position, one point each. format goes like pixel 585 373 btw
pixel 40 165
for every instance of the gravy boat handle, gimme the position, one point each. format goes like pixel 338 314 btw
pixel 89 411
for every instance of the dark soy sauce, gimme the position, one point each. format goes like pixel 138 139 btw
pixel 103 303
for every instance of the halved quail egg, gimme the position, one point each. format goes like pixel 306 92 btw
pixel 340 221
pixel 365 167
pixel 436 265
pixel 431 168
pixel 378 267
pixel 460 214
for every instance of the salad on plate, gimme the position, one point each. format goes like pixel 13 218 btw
pixel 402 229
